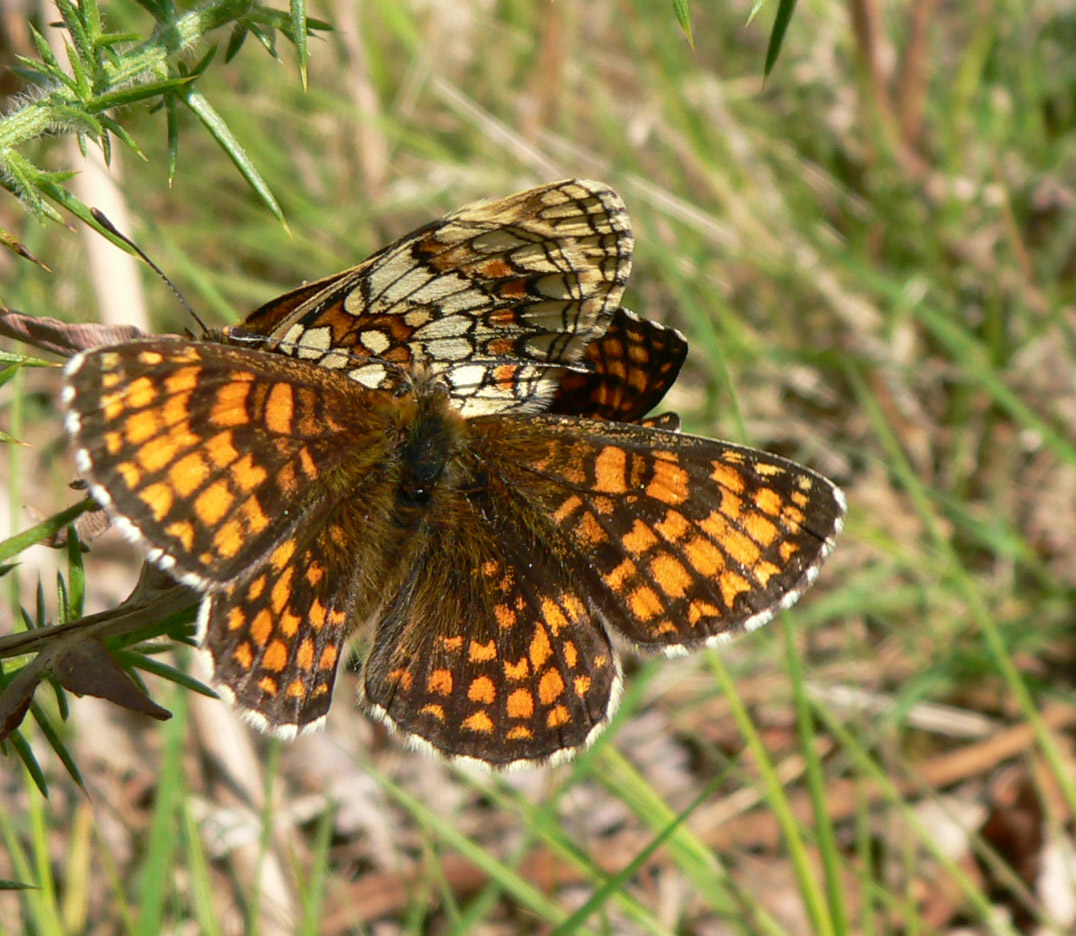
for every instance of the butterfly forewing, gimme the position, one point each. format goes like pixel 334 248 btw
pixel 486 297
pixel 214 456
pixel 680 539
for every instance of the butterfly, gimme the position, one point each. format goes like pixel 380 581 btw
pixel 443 451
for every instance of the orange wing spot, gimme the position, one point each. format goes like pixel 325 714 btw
pixel 244 655
pixel 575 608
pixel 622 573
pixel 182 381
pixel 567 507
pixel 183 531
pixel 540 649
pixel 328 658
pixel 761 530
pixel 704 556
pixel 662 628
pixel 221 450
pixel 732 585
pixel 482 690
pixel 296 689
pixel 638 471
pixel 248 474
pixel 728 477
pixel 306 462
pixel 603 505
pixel 505 376
pixel 437 711
pixel 787 550
pixel 230 402
pixel 698 610
pixel 639 540
pixel 617 369
pixel 287 481
pixel 590 531
pixel 150 357
pixel 644 603
pixel 336 618
pixel 763 572
pixel 142 426
pixel 672 526
pixel 731 505
pixel 601 661
pixel 800 499
pixel 670 484
pixel 112 404
pixel 491 568
pixel 289 623
pixel 482 653
pixel 158 498
pixel 281 593
pixel 268 685
pixel 516 671
pixel 550 687
pixel 768 501
pixel 256 588
pixel 236 618
pixel 158 453
pixel 440 682
pixel 769 471
pixel 315 572
pixel 304 656
pixel 262 627
pixel 739 547
pixel 188 474
pixel 571 654
pixel 671 576
pixel 582 685
pixel 479 722
pixel 176 410
pixel 733 457
pixel 276 656
pixel 792 517
pixel 611 470
pixel 558 716
pixel 320 690
pixel 213 504
pixel 281 556
pixel 114 442
pixel 141 393
pixel 228 539
pixel 253 515
pixel 452 644
pixel 520 704
pixel 553 616
pixel 316 614
pixel 403 678
pixel 519 733
pixel 108 381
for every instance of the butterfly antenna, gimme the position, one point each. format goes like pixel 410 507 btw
pixel 102 219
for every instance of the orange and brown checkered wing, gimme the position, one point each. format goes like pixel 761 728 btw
pixel 678 540
pixel 630 368
pixel 276 637
pixel 490 649
pixel 487 297
pixel 212 457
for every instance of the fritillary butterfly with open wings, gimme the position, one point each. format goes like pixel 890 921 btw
pixel 426 451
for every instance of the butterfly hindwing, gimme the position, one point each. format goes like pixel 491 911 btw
pixel 492 654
